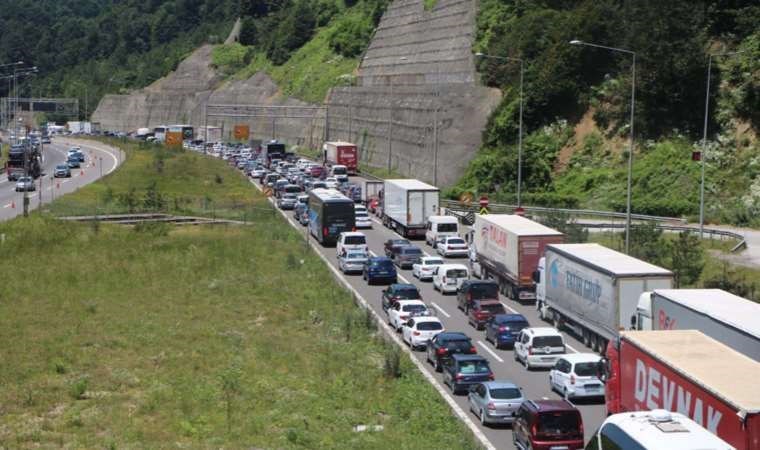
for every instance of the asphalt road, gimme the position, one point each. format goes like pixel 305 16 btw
pixel 99 160
pixel 535 383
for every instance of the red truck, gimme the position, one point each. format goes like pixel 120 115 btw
pixel 342 153
pixel 687 372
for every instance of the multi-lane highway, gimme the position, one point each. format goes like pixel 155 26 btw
pixel 100 160
pixel 535 384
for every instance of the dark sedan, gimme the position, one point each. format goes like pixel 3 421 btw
pixel 399 291
pixel 379 269
pixel 448 343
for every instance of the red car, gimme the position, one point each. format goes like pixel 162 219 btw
pixel 548 424
pixel 479 311
pixel 317 171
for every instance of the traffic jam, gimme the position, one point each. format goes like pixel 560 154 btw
pixel 545 344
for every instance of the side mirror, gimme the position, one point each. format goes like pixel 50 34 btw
pixel 602 370
pixel 633 322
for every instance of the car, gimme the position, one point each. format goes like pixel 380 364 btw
pixel 418 331
pixel 575 376
pixel 539 347
pixel 447 278
pixel 351 240
pixel 446 344
pixel 379 269
pixel 439 226
pixel 547 424
pixel 452 246
pixel 390 243
pixel 480 311
pixel 338 169
pixel 25 184
pixel 331 183
pixel 258 172
pixel 73 162
pixel 495 402
pixel 399 291
pixel 472 290
pixel 423 270
pixel 362 219
pixel 402 310
pixel 317 171
pixel 287 201
pixel 461 371
pixel 341 179
pixel 502 329
pixel 319 185
pixel 62 171
pixel 405 256
pixel 352 262
pixel 279 187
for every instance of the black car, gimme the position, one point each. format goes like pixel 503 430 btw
pixel 461 371
pixel 73 162
pixel 406 256
pixel 380 268
pixel 448 343
pixel 391 243
pixel 472 290
pixel 399 291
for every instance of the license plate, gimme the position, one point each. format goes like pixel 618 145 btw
pixel 559 447
pixel 547 359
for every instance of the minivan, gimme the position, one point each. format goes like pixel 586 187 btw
pixel 338 169
pixel 548 424
pixel 447 278
pixel 439 227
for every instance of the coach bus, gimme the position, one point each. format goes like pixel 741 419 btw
pixel 330 213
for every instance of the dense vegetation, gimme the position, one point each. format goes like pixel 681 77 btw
pixel 85 49
pixel 563 82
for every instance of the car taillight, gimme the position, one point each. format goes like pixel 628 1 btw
pixel 441 351
pixel 469 296
pixel 503 328
pixel 416 333
pixel 473 349
pixel 491 406
pixel 530 349
pixel 353 229
pixel 459 377
pixel 324 231
pixel 572 379
pixel 404 317
pixel 534 429
pixel 490 376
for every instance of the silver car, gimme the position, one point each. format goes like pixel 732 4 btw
pixel 352 262
pixel 25 184
pixel 495 402
pixel 287 201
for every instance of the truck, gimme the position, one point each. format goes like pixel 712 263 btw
pixel 371 191
pixel 23 159
pixel 406 205
pixel 686 372
pixel 273 151
pixel 507 249
pixel 725 317
pixel 593 290
pixel 343 153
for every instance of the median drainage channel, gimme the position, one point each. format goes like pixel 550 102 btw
pixel 393 337
pixel 135 219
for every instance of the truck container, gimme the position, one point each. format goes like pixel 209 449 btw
pixel 593 290
pixel 725 317
pixel 407 205
pixel 273 151
pixel 686 372
pixel 507 248
pixel 371 191
pixel 343 153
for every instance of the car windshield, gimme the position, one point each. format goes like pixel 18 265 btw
pixel 289 196
pixel 429 326
pixel 293 189
pixel 433 262
pixel 455 241
pixel 559 422
pixel 447 228
pixel 356 255
pixel 505 393
pixel 585 369
pixel 384 264
pixel 479 366
pixel 484 290
pixel 355 240
pixel 62 167
pixel 361 214
pixel 413 308
pixel 456 273
pixel 458 344
pixel 547 341
pixel 409 293
pixel 495 308
pixel 412 251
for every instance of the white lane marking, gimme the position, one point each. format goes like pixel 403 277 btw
pixel 571 348
pixel 490 352
pixel 514 311
pixel 401 277
pixel 435 305
pixel 544 398
pixel 65 181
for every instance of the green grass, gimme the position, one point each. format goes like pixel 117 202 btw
pixel 196 337
pixel 429 4
pixel 3 155
pixel 381 172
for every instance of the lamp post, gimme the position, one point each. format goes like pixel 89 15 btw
pixel 630 150
pixel 6 115
pixel 520 132
pixel 704 142
pixel 390 120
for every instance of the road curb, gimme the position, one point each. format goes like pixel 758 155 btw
pixel 458 411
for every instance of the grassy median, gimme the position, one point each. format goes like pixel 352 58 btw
pixel 194 337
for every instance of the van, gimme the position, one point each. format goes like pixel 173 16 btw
pixel 351 240
pixel 548 424
pixel 448 278
pixel 339 169
pixel 439 227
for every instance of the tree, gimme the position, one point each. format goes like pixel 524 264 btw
pixel 686 259
pixel 647 243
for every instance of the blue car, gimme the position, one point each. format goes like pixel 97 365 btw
pixel 73 163
pixel 380 269
pixel 503 329
pixel 462 371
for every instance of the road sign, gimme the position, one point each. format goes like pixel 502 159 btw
pixel 241 132
pixel 483 201
pixel 520 211
pixel 173 138
pixel 483 211
pixel 466 197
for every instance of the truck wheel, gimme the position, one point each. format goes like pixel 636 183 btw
pixel 593 341
pixel 557 319
pixel 586 340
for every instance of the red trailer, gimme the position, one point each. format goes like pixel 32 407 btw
pixel 687 372
pixel 342 153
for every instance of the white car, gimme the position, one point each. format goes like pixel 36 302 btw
pixel 351 240
pixel 403 310
pixel 418 331
pixel 447 278
pixel 539 347
pixel 331 183
pixel 257 173
pixel 452 246
pixel 360 208
pixel 575 375
pixel 362 219
pixel 352 262
pixel 425 268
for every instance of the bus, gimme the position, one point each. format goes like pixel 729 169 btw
pixel 330 213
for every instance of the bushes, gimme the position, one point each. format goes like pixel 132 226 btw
pixel 230 58
pixel 351 35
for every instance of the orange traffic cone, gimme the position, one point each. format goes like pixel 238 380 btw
pixel 13 205
pixel 81 172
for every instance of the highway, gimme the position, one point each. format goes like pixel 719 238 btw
pixel 99 159
pixel 535 383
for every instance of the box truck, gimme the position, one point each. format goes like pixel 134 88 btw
pixel 407 205
pixel 342 153
pixel 593 290
pixel 686 372
pixel 725 317
pixel 507 248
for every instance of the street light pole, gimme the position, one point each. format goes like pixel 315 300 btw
pixel 631 140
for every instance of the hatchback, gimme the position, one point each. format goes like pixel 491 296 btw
pixel 452 246
pixel 461 371
pixel 495 402
pixel 548 424
pixel 424 269
pixel 418 331
pixel 502 329
pixel 403 310
pixel 62 171
pixel 480 311
pixel 379 269
pixel 407 256
pixel 575 376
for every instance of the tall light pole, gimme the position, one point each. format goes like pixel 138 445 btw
pixel 630 149
pixel 520 132
pixel 704 142
pixel 390 120
pixel 6 117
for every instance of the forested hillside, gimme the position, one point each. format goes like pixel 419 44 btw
pixel 85 48
pixel 577 104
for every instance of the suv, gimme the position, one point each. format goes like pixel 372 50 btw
pixel 462 371
pixel 539 347
pixel 503 329
pixel 398 291
pixel 472 290
pixel 481 310
pixel 548 424
pixel 406 256
pixel 446 344
pixel 351 240
pixel 390 243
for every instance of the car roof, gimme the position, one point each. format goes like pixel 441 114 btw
pixel 420 319
pixel 542 331
pixel 352 233
pixel 510 318
pixel 581 357
pixel 401 285
pixel 452 237
pixel 437 258
pixel 497 384
pixel 411 302
pixel 451 335
pixel 379 258
pixel 452 266
pixel 551 405
pixel 463 357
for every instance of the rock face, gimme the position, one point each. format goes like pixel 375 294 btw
pixel 416 81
